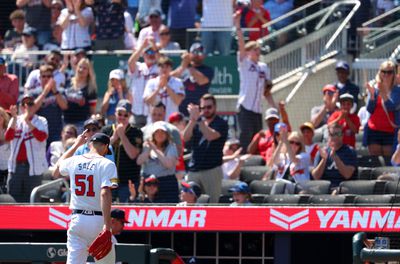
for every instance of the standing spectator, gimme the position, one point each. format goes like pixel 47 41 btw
pixel 27 133
pixel 207 132
pixel 383 100
pixel 55 41
pixel 140 73
pixel 320 114
pixel 153 29
pixel 110 24
pixel 307 129
pixel 350 122
pixel 57 148
pixel 145 9
pixel 159 158
pixel 252 74
pixel 37 15
pixel 241 194
pixel 181 15
pixel 290 161
pixel 50 102
pixel 177 120
pixel 344 85
pixel 75 20
pixel 81 95
pixel 395 159
pixel 129 38
pixel 13 37
pixel 126 141
pixel 165 88
pixel 255 17
pixel 196 76
pixel 116 91
pixel 56 7
pixel 9 89
pixel 337 162
pixel 277 8
pixel 217 14
pixel 165 43
pixel 5 150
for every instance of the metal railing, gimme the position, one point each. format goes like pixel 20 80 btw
pixel 310 39
pixel 379 36
pixel 51 192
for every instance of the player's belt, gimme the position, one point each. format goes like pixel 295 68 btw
pixel 86 212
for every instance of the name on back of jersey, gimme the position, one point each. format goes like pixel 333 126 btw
pixel 86 166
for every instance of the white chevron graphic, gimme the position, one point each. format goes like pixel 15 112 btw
pixel 59 218
pixel 288 222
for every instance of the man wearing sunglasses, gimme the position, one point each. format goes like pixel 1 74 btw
pixel 126 141
pixel 337 162
pixel 27 133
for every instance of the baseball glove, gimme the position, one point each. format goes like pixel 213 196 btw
pixel 101 246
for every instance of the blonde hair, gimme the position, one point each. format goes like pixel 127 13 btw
pixel 384 65
pixel 300 138
pixel 251 45
pixel 5 116
pixel 123 84
pixel 91 78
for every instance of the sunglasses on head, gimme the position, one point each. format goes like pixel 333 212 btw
pixel 208 107
pixel 291 142
pixel 123 114
pixel 150 52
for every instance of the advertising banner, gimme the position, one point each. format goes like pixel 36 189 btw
pixel 261 219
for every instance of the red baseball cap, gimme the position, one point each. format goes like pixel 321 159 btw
pixel 175 117
pixel 329 88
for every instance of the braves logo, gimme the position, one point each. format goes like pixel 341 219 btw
pixel 289 222
pixel 59 218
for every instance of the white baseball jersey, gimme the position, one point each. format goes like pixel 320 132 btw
pixel 88 173
pixel 252 77
pixel 138 81
pixel 33 81
pixel 175 84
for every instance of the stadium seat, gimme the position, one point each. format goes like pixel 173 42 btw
pixel 364 173
pixel 251 173
pixel 359 187
pixel 392 187
pixel 50 192
pixel 328 199
pixel 226 185
pixel 370 161
pixel 376 172
pixel 203 199
pixel 225 199
pixel 265 187
pixel 316 187
pixel 254 160
pixel 373 199
pixel 282 199
pixel 6 198
pixel 258 198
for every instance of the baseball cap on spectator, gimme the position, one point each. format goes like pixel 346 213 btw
pixel 329 88
pixel 347 97
pixel 57 2
pixel 102 138
pixel 278 126
pixel 119 214
pixel 91 122
pixel 197 48
pixel 342 65
pixel 79 51
pixel 240 187
pixel 124 105
pixel 175 117
pixel 29 31
pixel 271 113
pixel 116 74
pixel 154 12
pixel 159 125
pixel 233 141
pixel 152 179
pixel 150 51
pixel 2 61
pixel 27 96
pixel 191 187
pixel 308 125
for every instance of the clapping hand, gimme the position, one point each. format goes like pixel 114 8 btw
pixel 14 111
pixel 323 153
pixel 236 18
pixel 371 90
pixel 194 112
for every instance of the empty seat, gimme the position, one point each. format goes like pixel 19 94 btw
pixel 370 161
pixel 225 199
pixel 359 187
pixel 328 199
pixel 6 198
pixel 50 192
pixel 316 187
pixel 258 198
pixel 254 160
pixel 376 172
pixel 373 199
pixel 226 185
pixel 364 173
pixel 203 199
pixel 291 199
pixel 392 187
pixel 265 187
pixel 251 173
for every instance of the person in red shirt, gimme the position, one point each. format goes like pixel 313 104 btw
pixel 350 123
pixel 27 134
pixel 255 17
pixel 8 87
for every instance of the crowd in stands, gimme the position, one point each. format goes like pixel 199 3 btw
pixel 164 112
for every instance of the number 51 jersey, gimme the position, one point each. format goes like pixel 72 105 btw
pixel 88 175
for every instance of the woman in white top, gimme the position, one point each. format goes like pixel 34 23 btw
pixel 290 161
pixel 4 147
pixel 75 20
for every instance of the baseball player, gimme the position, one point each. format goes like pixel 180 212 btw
pixel 92 178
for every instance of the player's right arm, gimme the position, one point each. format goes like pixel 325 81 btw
pixel 80 140
pixel 106 200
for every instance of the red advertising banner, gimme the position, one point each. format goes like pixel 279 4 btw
pixel 265 219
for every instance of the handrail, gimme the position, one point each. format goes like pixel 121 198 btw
pixel 380 16
pixel 91 52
